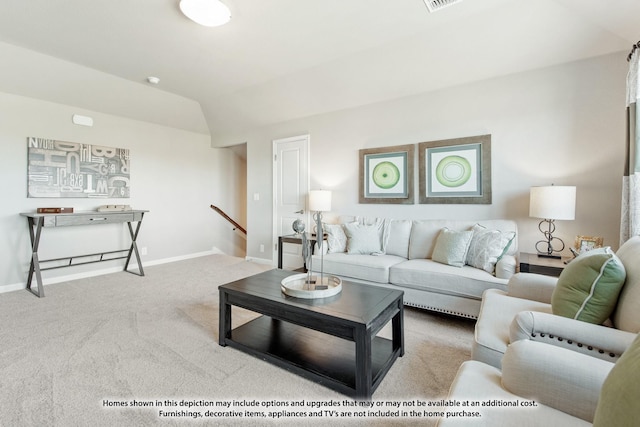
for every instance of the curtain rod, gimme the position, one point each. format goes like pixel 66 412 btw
pixel 633 49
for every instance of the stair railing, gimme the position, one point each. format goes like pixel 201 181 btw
pixel 228 218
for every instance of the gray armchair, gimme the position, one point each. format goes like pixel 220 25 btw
pixel 545 385
pixel 524 312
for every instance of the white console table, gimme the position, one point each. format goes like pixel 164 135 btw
pixel 39 221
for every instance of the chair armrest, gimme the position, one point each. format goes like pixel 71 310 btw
pixel 555 377
pixel 506 267
pixel 536 287
pixel 593 340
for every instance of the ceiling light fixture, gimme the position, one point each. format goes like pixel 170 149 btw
pixel 436 5
pixel 210 13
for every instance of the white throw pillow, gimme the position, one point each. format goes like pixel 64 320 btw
pixel 363 239
pixel 487 247
pixel 382 225
pixel 451 247
pixel 336 239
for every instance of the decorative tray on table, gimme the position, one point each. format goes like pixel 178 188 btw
pixel 299 286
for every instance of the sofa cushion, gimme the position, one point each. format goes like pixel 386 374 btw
pixel 627 313
pixel 618 404
pixel 488 247
pixel 361 267
pixel 399 234
pixel 424 234
pixel 428 275
pixel 589 286
pixel 452 246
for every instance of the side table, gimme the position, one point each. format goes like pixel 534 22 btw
pixel 532 263
pixel 295 238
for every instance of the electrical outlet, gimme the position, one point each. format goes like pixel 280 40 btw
pixel 143 250
pixel 261 248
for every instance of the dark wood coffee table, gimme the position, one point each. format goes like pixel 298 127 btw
pixel 331 341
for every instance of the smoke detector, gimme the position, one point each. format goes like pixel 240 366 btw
pixel 436 5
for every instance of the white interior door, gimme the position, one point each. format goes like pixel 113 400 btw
pixel 291 185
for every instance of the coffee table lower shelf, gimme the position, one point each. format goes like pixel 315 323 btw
pixel 317 356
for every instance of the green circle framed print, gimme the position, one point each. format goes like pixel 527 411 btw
pixel 386 175
pixel 453 171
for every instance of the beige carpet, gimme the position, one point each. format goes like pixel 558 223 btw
pixel 68 358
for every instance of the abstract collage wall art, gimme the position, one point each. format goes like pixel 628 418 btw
pixel 61 169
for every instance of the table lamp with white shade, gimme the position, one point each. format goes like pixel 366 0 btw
pixel 551 203
pixel 319 201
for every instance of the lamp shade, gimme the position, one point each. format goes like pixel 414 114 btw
pixel 553 202
pixel 210 13
pixel 319 200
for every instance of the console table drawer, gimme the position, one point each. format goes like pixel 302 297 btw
pixel 93 219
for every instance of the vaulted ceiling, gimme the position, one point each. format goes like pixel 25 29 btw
pixel 284 59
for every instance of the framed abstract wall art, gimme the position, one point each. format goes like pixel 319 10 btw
pixel 455 171
pixel 386 174
pixel 61 169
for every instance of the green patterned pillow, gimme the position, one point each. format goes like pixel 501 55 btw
pixel 620 394
pixel 589 286
pixel 451 247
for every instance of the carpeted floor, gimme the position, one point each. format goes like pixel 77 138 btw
pixel 75 357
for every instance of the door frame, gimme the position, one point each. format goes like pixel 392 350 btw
pixel 274 169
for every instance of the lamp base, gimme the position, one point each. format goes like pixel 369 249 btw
pixel 540 255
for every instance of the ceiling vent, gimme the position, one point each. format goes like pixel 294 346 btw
pixel 436 5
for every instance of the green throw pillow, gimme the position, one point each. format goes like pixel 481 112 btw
pixel 620 394
pixel 451 247
pixel 589 286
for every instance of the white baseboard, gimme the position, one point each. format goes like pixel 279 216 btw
pixel 110 270
pixel 259 260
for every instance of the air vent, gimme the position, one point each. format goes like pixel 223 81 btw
pixel 436 5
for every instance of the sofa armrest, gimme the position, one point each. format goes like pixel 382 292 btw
pixel 506 267
pixel 536 287
pixel 562 379
pixel 593 340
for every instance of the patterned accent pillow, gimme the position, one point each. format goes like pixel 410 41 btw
pixel 487 247
pixel 336 239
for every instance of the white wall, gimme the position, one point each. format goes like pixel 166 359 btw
pixel 175 174
pixel 562 125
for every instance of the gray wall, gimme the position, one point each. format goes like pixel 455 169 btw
pixel 175 174
pixel 562 125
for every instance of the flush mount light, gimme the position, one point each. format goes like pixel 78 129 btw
pixel 209 13
pixel 436 5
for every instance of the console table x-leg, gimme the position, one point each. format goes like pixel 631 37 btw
pixel 39 221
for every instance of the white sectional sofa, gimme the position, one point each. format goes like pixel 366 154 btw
pixel 404 258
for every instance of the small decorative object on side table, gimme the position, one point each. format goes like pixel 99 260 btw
pixel 532 263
